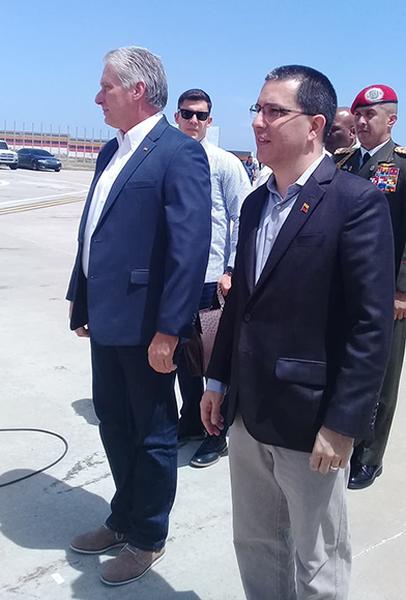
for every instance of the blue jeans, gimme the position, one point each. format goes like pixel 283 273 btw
pixel 137 410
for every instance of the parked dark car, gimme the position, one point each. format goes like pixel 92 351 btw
pixel 35 158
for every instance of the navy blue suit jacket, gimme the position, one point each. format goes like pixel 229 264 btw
pixel 307 344
pixel 149 251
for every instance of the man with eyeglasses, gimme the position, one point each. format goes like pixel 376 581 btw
pixel 302 346
pixel 229 187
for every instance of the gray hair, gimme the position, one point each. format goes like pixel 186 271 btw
pixel 133 64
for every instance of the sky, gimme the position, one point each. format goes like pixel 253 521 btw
pixel 52 54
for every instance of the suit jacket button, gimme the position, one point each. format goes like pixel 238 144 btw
pixel 247 317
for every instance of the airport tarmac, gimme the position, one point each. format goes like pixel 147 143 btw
pixel 46 385
pixel 25 188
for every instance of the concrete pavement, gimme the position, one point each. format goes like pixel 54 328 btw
pixel 46 384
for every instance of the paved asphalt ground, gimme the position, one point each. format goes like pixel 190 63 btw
pixel 46 384
pixel 25 187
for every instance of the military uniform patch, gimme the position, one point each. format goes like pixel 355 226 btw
pixel 386 177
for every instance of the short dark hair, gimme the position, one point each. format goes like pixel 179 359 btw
pixel 195 94
pixel 315 95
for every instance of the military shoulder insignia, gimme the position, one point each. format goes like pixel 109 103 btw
pixel 400 150
pixel 342 155
pixel 340 151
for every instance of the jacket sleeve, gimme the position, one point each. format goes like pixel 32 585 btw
pixel 236 187
pixel 401 278
pixel 187 208
pixel 366 258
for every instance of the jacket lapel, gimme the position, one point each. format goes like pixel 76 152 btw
pixel 258 201
pixel 308 199
pixel 107 154
pixel 146 147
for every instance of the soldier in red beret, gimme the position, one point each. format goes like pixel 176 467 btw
pixel 384 163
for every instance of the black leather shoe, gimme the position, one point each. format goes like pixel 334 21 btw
pixel 362 476
pixel 209 451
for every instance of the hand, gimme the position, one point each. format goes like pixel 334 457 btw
pixel 81 331
pixel 400 305
pixel 160 352
pixel 331 451
pixel 225 284
pixel 210 412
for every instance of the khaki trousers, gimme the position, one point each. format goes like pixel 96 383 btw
pixel 290 523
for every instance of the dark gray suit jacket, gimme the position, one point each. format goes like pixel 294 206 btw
pixel 308 344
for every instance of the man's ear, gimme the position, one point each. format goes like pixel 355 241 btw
pixel 392 120
pixel 209 121
pixel 318 125
pixel 139 90
pixel 176 117
pixel 352 132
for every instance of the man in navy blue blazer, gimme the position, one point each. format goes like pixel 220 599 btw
pixel 144 240
pixel 302 343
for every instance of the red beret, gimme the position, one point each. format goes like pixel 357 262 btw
pixel 374 94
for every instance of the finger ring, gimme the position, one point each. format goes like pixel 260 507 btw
pixel 333 468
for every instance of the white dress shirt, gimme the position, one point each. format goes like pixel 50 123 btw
pixel 127 145
pixel 373 150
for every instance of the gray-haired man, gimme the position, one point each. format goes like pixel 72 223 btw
pixel 134 290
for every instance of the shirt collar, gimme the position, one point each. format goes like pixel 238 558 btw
pixel 373 150
pixel 134 136
pixel 294 188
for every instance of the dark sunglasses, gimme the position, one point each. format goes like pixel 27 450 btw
pixel 188 114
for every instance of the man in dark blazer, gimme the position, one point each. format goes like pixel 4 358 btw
pixel 383 162
pixel 144 240
pixel 302 344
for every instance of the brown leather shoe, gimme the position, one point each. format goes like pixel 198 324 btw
pixel 131 564
pixel 98 541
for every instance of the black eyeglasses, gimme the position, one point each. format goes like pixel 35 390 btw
pixel 201 115
pixel 271 112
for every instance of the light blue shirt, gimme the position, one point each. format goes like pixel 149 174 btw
pixel 274 214
pixel 229 188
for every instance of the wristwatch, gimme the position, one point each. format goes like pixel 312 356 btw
pixel 229 271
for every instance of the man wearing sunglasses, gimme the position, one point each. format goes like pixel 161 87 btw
pixel 302 344
pixel 229 187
